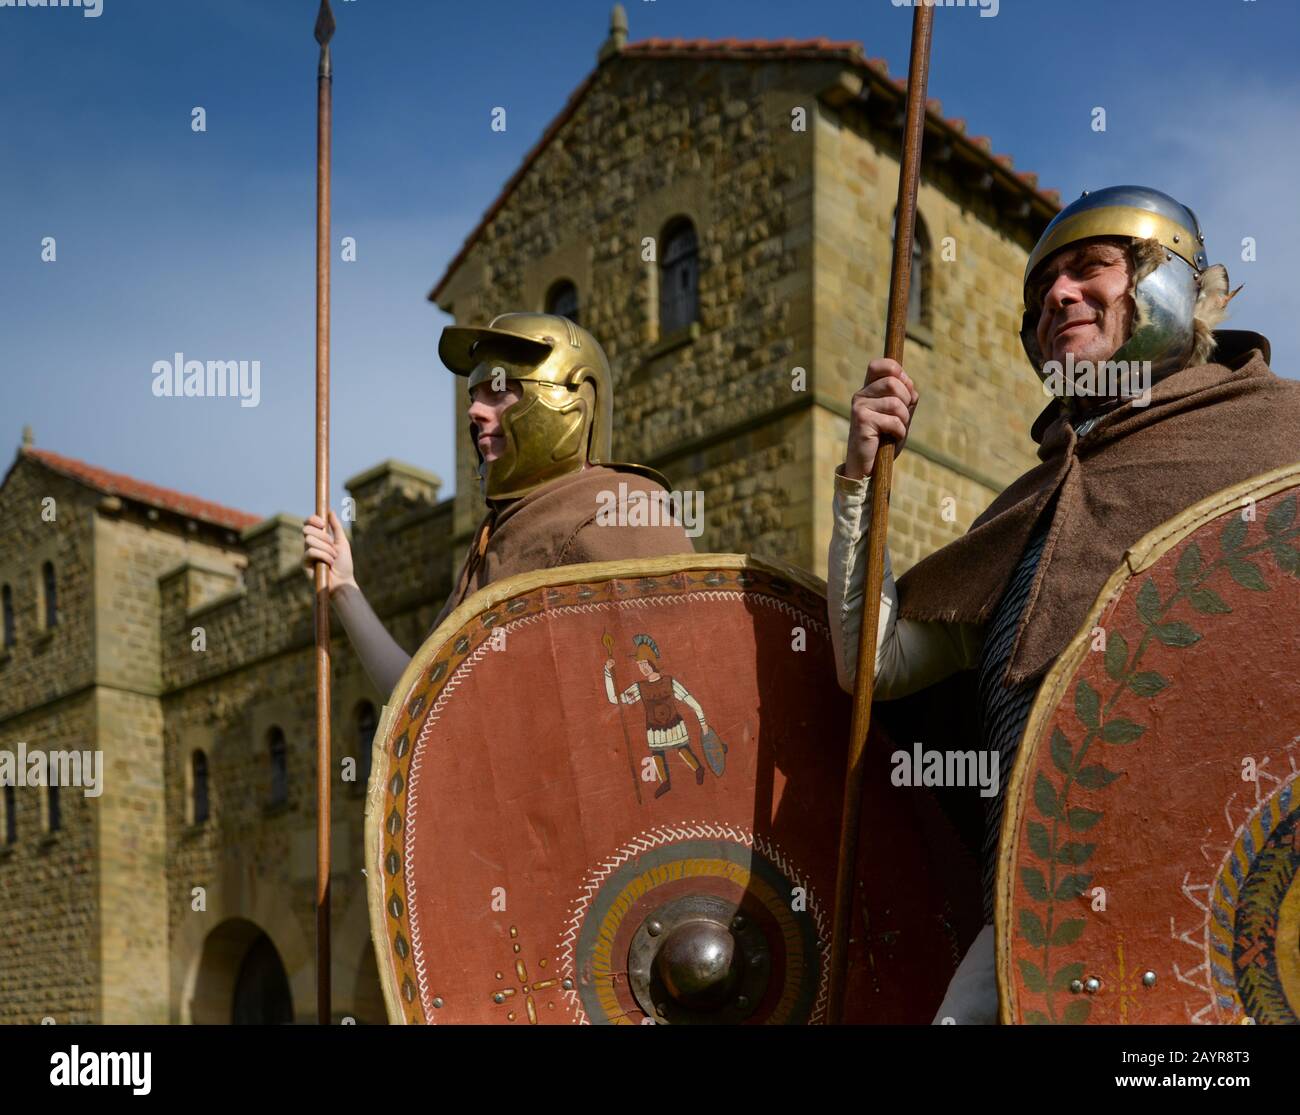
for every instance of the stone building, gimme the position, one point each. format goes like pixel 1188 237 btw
pixel 719 215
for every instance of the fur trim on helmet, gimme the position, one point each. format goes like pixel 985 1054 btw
pixel 1211 309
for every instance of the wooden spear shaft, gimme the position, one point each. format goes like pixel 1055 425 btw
pixel 324 85
pixel 881 478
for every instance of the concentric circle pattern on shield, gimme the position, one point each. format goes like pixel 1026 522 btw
pixel 1151 848
pixel 555 840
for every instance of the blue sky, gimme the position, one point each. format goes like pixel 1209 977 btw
pixel 173 241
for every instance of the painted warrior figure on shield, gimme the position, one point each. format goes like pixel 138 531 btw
pixel 1119 280
pixel 541 415
pixel 665 730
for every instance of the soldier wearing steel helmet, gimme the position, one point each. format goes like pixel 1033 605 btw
pixel 541 416
pixel 1119 280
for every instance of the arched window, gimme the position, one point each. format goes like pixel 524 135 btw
pixel 11 816
pixel 50 590
pixel 7 603
pixel 679 277
pixel 367 722
pixel 53 816
pixel 562 299
pixel 279 755
pixel 918 291
pixel 198 788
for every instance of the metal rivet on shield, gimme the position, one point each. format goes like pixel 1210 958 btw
pixel 437 1003
pixel 738 922
pixel 1076 986
pixel 567 985
pixel 498 998
pixel 654 928
pixel 1092 986
pixel 1148 979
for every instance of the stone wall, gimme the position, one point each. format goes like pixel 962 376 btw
pixel 654 140
pixel 979 395
pixel 50 959
pixel 44 665
pixel 792 200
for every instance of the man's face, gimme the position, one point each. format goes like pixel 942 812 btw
pixel 1083 295
pixel 645 666
pixel 486 407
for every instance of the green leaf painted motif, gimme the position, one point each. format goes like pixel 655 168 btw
pixel 1062 756
pixel 1056 895
pixel 1087 705
pixel 1147 684
pixel 1072 886
pixel 1116 655
pixel 1067 975
pixel 1247 574
pixel 1068 931
pixel 1148 602
pixel 1121 731
pixel 1288 560
pixel 1034 979
pixel 1076 1013
pixel 1034 882
pixel 1189 565
pixel 1039 842
pixel 1096 777
pixel 1081 820
pixel 1282 516
pixel 1208 602
pixel 1045 797
pixel 1074 853
pixel 1234 535
pixel 1031 928
pixel 1176 634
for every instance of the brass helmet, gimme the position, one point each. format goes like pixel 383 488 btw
pixel 565 419
pixel 1163 329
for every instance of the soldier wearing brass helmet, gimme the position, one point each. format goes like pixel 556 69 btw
pixel 541 414
pixel 1153 409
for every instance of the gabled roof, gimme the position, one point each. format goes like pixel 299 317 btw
pixel 127 487
pixel 873 70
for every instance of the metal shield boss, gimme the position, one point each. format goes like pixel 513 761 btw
pixel 554 835
pixel 1149 864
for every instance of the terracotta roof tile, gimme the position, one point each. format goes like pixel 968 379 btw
pixel 117 484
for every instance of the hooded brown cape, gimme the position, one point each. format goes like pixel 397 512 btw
pixel 1205 428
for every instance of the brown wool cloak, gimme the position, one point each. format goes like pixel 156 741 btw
pixel 556 525
pixel 1206 427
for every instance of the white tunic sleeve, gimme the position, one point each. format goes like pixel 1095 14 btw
pixel 910 654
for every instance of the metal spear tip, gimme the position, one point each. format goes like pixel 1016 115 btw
pixel 324 23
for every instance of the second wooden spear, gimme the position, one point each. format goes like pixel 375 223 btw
pixel 881 478
pixel 324 84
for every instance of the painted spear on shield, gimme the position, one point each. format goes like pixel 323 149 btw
pixel 881 478
pixel 324 84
